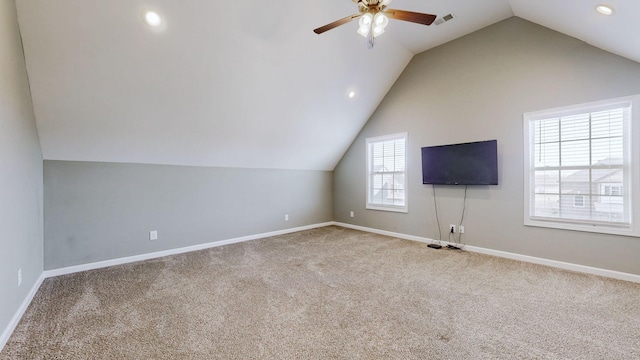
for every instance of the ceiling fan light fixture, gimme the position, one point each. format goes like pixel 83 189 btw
pixel 364 30
pixel 381 20
pixel 366 19
pixel 378 30
pixel 604 9
pixel 152 18
pixel 365 24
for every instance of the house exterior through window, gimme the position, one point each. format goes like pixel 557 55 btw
pixel 386 173
pixel 580 167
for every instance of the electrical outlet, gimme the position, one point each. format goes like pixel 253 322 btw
pixel 351 214
pixel 286 217
pixel 19 277
pixel 461 229
pixel 452 228
pixel 153 235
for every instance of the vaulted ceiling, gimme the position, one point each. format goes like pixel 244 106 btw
pixel 241 83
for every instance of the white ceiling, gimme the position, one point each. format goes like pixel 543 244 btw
pixel 241 84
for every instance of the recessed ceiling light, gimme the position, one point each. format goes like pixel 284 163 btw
pixel 352 94
pixel 604 9
pixel 152 18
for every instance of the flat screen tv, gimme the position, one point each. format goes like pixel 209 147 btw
pixel 474 163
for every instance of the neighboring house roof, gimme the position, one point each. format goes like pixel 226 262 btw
pixel 613 175
pixel 598 176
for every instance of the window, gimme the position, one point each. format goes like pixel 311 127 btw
pixel 386 173
pixel 579 172
pixel 611 189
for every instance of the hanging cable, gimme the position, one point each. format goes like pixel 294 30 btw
pixel 464 207
pixel 435 205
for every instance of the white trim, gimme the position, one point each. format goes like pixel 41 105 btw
pixel 392 208
pixel 594 106
pixel 558 264
pixel 530 259
pixel 6 334
pixel 158 254
pixel 382 207
pixel 388 233
pixel 631 148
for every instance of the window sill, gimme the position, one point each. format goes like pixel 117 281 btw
pixel 399 209
pixel 623 230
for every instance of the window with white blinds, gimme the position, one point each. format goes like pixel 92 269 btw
pixel 579 174
pixel 386 173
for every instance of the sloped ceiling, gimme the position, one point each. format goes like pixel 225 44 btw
pixel 239 83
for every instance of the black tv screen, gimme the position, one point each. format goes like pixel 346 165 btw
pixel 474 163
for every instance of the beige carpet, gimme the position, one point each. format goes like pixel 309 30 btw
pixel 330 293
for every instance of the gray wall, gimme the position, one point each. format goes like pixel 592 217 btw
pixel 101 211
pixel 477 88
pixel 20 173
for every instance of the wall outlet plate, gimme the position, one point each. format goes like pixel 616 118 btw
pixel 286 217
pixel 351 214
pixel 153 235
pixel 452 228
pixel 461 229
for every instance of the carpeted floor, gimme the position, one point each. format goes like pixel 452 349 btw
pixel 330 293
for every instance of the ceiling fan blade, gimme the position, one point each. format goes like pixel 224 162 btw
pixel 420 18
pixel 335 24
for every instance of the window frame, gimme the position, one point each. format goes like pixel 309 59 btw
pixel 382 207
pixel 631 140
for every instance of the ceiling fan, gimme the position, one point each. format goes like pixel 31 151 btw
pixel 374 17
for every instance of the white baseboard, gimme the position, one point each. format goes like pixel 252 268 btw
pixel 6 334
pixel 153 255
pixel 558 264
pixel 530 259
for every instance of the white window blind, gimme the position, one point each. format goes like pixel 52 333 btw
pixel 580 166
pixel 386 173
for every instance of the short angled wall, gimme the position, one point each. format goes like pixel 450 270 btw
pixel 95 212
